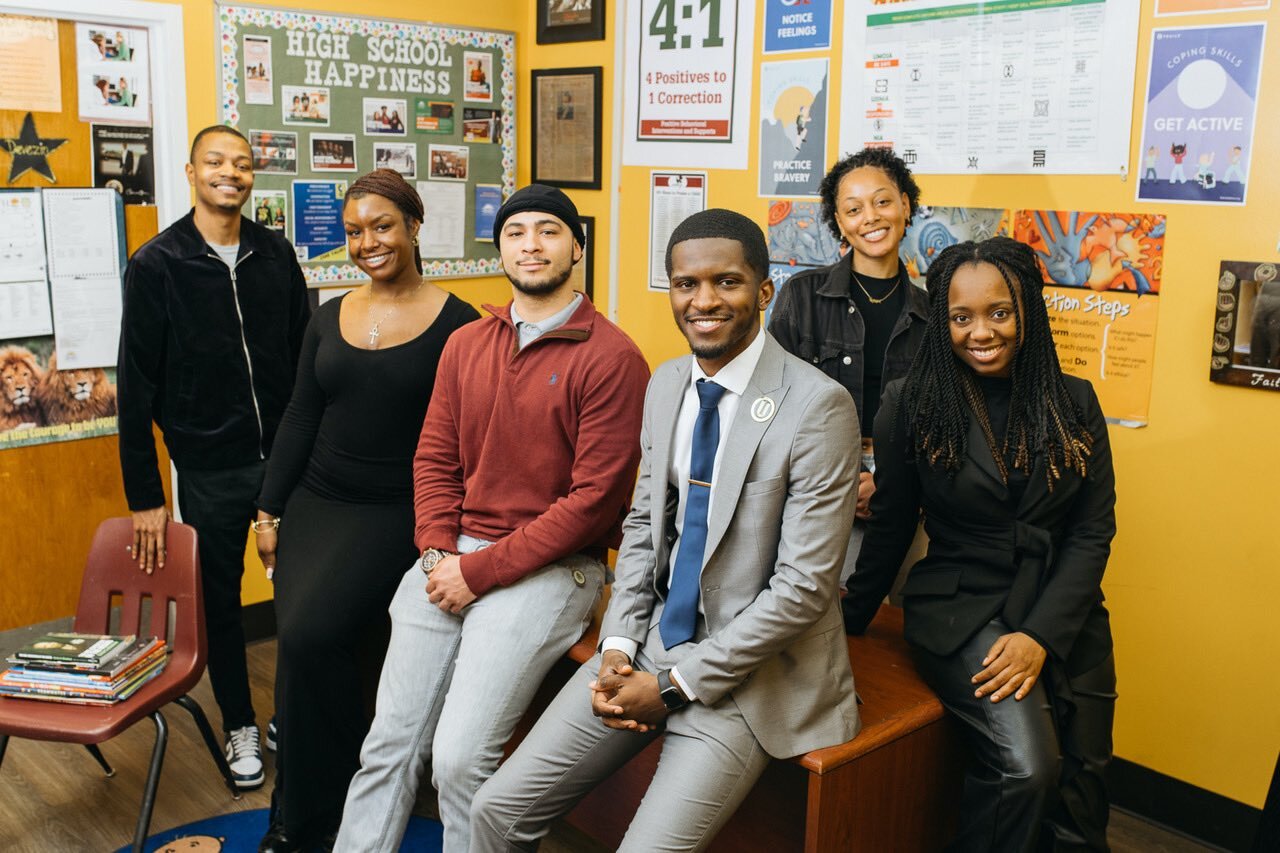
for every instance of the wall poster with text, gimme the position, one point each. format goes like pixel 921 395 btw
pixel 793 127
pixel 688 83
pixel 1202 97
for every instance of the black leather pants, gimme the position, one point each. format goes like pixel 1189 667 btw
pixel 1028 787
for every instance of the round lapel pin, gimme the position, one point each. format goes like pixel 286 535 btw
pixel 762 409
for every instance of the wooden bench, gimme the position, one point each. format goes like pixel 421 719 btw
pixel 893 787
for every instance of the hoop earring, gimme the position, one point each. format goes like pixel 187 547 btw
pixel 415 239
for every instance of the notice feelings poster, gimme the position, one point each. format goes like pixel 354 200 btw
pixel 793 127
pixel 1197 135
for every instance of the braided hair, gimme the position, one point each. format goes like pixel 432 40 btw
pixel 392 186
pixel 883 159
pixel 940 391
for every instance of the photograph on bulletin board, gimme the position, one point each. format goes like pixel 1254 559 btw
pixel 324 99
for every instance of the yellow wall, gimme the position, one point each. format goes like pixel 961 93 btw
pixel 1194 580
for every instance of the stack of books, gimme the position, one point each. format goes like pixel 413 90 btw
pixel 84 669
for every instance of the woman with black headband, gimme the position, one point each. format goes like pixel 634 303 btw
pixel 1010 462
pixel 335 523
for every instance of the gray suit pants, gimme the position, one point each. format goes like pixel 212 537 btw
pixel 710 760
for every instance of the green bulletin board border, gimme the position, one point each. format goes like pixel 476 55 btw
pixel 231 17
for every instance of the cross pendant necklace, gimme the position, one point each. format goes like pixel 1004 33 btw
pixel 375 331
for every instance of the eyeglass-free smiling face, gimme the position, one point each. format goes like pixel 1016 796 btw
pixel 980 312
pixel 716 298
pixel 538 252
pixel 379 240
pixel 872 212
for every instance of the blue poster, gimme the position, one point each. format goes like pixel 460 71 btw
pixel 797 25
pixel 1197 135
pixel 488 200
pixel 318 234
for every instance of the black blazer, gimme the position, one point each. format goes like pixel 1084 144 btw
pixel 1038 565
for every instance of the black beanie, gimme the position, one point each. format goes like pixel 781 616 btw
pixel 543 198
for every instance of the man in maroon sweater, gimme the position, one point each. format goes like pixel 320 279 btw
pixel 521 480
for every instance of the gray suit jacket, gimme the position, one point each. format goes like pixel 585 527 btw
pixel 782 508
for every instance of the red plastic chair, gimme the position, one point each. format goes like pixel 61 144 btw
pixel 111 571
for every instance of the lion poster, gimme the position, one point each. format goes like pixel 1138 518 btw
pixel 40 403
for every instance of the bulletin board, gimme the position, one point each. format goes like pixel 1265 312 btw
pixel 324 99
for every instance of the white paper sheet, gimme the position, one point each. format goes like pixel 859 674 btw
pixel 444 231
pixel 83 239
pixel 673 198
pixel 21 236
pixel 24 309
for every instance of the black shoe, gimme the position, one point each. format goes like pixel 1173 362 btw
pixel 272 736
pixel 275 841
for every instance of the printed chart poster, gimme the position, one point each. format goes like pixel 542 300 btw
pixel 797 25
pixel 1197 135
pixel 318 234
pixel 793 127
pixel 688 83
pixel 1102 276
pixel 933 229
pixel 1194 7
pixel 1246 326
pixel 1001 87
pixel 673 198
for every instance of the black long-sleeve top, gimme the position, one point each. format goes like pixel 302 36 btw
pixel 1036 560
pixel 353 422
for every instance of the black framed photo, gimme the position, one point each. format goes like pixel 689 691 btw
pixel 1246 326
pixel 570 20
pixel 566 127
pixel 584 273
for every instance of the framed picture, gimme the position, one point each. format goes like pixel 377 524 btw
pixel 570 20
pixel 1246 326
pixel 566 127
pixel 584 274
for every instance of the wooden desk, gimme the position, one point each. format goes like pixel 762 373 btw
pixel 894 787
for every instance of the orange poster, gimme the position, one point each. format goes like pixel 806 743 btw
pixel 1102 274
pixel 1191 7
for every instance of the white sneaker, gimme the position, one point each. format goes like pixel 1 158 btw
pixel 245 757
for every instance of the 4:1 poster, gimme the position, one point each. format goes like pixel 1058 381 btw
pixel 688 82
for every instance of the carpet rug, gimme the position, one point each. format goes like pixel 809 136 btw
pixel 240 832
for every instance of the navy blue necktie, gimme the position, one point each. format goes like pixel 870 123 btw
pixel 680 616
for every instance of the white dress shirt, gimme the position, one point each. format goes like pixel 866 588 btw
pixel 734 378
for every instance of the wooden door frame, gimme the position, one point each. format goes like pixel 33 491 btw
pixel 163 22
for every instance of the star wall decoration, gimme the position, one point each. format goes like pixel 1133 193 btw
pixel 29 151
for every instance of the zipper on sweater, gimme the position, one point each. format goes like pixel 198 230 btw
pixel 244 343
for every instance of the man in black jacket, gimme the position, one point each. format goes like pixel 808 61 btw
pixel 214 310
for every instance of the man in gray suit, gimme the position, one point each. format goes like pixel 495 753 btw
pixel 724 628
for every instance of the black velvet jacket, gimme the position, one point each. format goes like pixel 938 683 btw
pixel 206 353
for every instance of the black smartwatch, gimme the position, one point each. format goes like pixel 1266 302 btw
pixel 670 693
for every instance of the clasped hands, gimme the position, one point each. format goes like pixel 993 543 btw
pixel 1012 664
pixel 625 698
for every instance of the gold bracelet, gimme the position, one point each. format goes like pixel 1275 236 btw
pixel 264 525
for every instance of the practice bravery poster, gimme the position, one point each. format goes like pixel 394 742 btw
pixel 1197 135
pixel 793 127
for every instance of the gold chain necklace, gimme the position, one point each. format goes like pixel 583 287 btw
pixel 871 298
pixel 375 329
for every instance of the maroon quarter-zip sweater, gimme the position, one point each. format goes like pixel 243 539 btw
pixel 535 450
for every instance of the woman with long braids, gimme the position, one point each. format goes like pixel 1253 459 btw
pixel 859 320
pixel 1010 462
pixel 335 523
